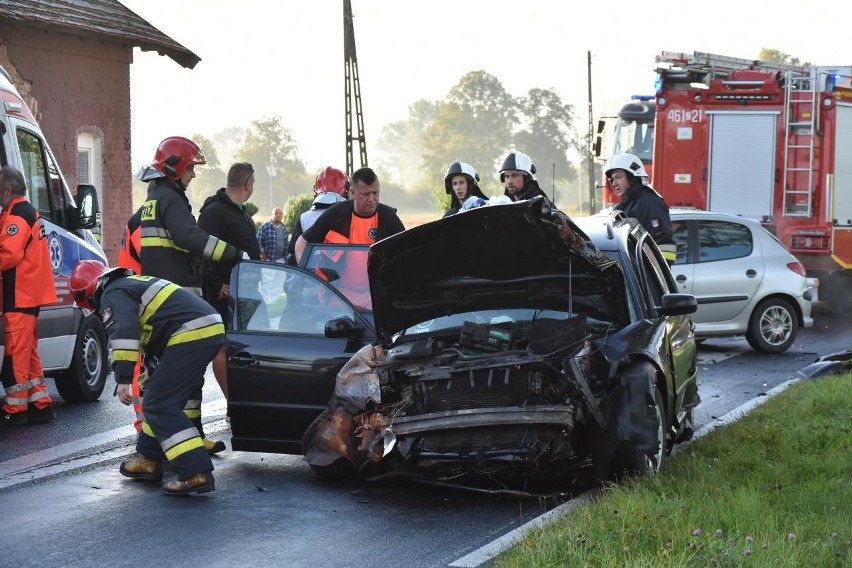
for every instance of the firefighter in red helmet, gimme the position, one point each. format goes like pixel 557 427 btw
pixel 174 247
pixel 183 333
pixel 331 186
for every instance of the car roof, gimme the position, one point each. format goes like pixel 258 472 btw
pixel 678 213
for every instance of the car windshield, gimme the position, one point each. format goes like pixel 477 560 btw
pixel 344 267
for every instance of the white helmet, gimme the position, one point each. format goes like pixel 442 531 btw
pixel 328 198
pixel 517 161
pixel 627 162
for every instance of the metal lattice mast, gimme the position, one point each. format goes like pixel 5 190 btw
pixel 352 90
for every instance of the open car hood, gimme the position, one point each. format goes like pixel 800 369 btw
pixel 497 257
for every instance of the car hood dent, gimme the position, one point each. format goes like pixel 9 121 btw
pixel 497 257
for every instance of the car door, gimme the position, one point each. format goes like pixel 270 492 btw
pixel 281 364
pixel 728 269
pixel 683 269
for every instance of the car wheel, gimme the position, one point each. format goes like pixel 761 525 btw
pixel 773 326
pixel 649 441
pixel 85 379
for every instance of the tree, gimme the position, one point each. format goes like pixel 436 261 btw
pixel 473 125
pixel 403 147
pixel 208 178
pixel 777 56
pixel 279 172
pixel 547 135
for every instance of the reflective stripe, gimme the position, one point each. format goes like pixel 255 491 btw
pixel 193 403
pixel 219 252
pixel 210 248
pixel 182 442
pixel 125 344
pixel 17 388
pixel 153 298
pixel 38 396
pixel 177 451
pixel 36 382
pixel 146 429
pixel 125 355
pixel 192 413
pixel 156 232
pixel 16 401
pixel 199 328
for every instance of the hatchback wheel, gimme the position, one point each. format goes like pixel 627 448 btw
pixel 773 326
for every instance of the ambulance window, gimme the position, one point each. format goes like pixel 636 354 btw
pixel 32 159
pixel 57 193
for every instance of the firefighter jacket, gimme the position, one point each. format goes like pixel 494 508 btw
pixel 149 315
pixel 173 245
pixel 223 218
pixel 336 225
pixel 130 252
pixel 646 206
pixel 24 259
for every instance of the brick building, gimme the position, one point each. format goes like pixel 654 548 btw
pixel 70 60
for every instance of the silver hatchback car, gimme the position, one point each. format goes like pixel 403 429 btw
pixel 744 279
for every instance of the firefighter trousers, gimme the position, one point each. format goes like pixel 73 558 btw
pixel 167 432
pixel 192 408
pixel 21 373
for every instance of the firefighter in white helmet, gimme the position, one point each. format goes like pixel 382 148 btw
pixel 518 175
pixel 629 179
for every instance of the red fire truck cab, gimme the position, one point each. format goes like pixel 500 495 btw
pixel 763 140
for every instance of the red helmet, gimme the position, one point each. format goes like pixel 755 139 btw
pixel 88 279
pixel 174 154
pixel 332 180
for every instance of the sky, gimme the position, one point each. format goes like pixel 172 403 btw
pixel 264 58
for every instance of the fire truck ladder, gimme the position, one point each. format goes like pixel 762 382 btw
pixel 800 114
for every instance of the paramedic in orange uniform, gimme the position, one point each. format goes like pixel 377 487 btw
pixel 27 286
pixel 361 220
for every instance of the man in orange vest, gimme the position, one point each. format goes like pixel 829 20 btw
pixel 26 273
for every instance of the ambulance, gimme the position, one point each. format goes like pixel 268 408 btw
pixel 72 343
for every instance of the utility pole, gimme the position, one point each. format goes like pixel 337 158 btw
pixel 589 159
pixel 352 90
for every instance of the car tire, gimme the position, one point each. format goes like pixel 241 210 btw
pixel 647 418
pixel 773 326
pixel 335 471
pixel 85 379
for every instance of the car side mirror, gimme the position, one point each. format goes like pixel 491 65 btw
pixel 677 305
pixel 87 206
pixel 343 327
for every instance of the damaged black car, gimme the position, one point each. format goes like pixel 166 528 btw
pixel 506 349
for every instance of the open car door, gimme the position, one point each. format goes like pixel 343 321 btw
pixel 291 331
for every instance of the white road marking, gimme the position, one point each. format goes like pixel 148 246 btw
pixel 62 458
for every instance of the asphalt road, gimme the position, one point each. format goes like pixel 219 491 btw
pixel 63 502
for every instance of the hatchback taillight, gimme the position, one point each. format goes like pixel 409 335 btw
pixel 796 267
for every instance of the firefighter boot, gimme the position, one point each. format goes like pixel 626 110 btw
pixel 198 483
pixel 143 468
pixel 214 447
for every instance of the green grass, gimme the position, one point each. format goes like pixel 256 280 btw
pixel 772 490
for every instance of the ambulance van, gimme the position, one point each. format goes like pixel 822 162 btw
pixel 72 344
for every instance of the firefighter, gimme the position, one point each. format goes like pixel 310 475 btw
pixel 173 245
pixel 518 175
pixel 331 186
pixel 183 333
pixel 629 179
pixel 26 276
pixel 461 182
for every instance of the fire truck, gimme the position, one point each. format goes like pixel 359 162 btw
pixel 763 140
pixel 633 131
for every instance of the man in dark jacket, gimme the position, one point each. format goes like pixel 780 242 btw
pixel 223 215
pixel 361 220
pixel 518 175
pixel 626 173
